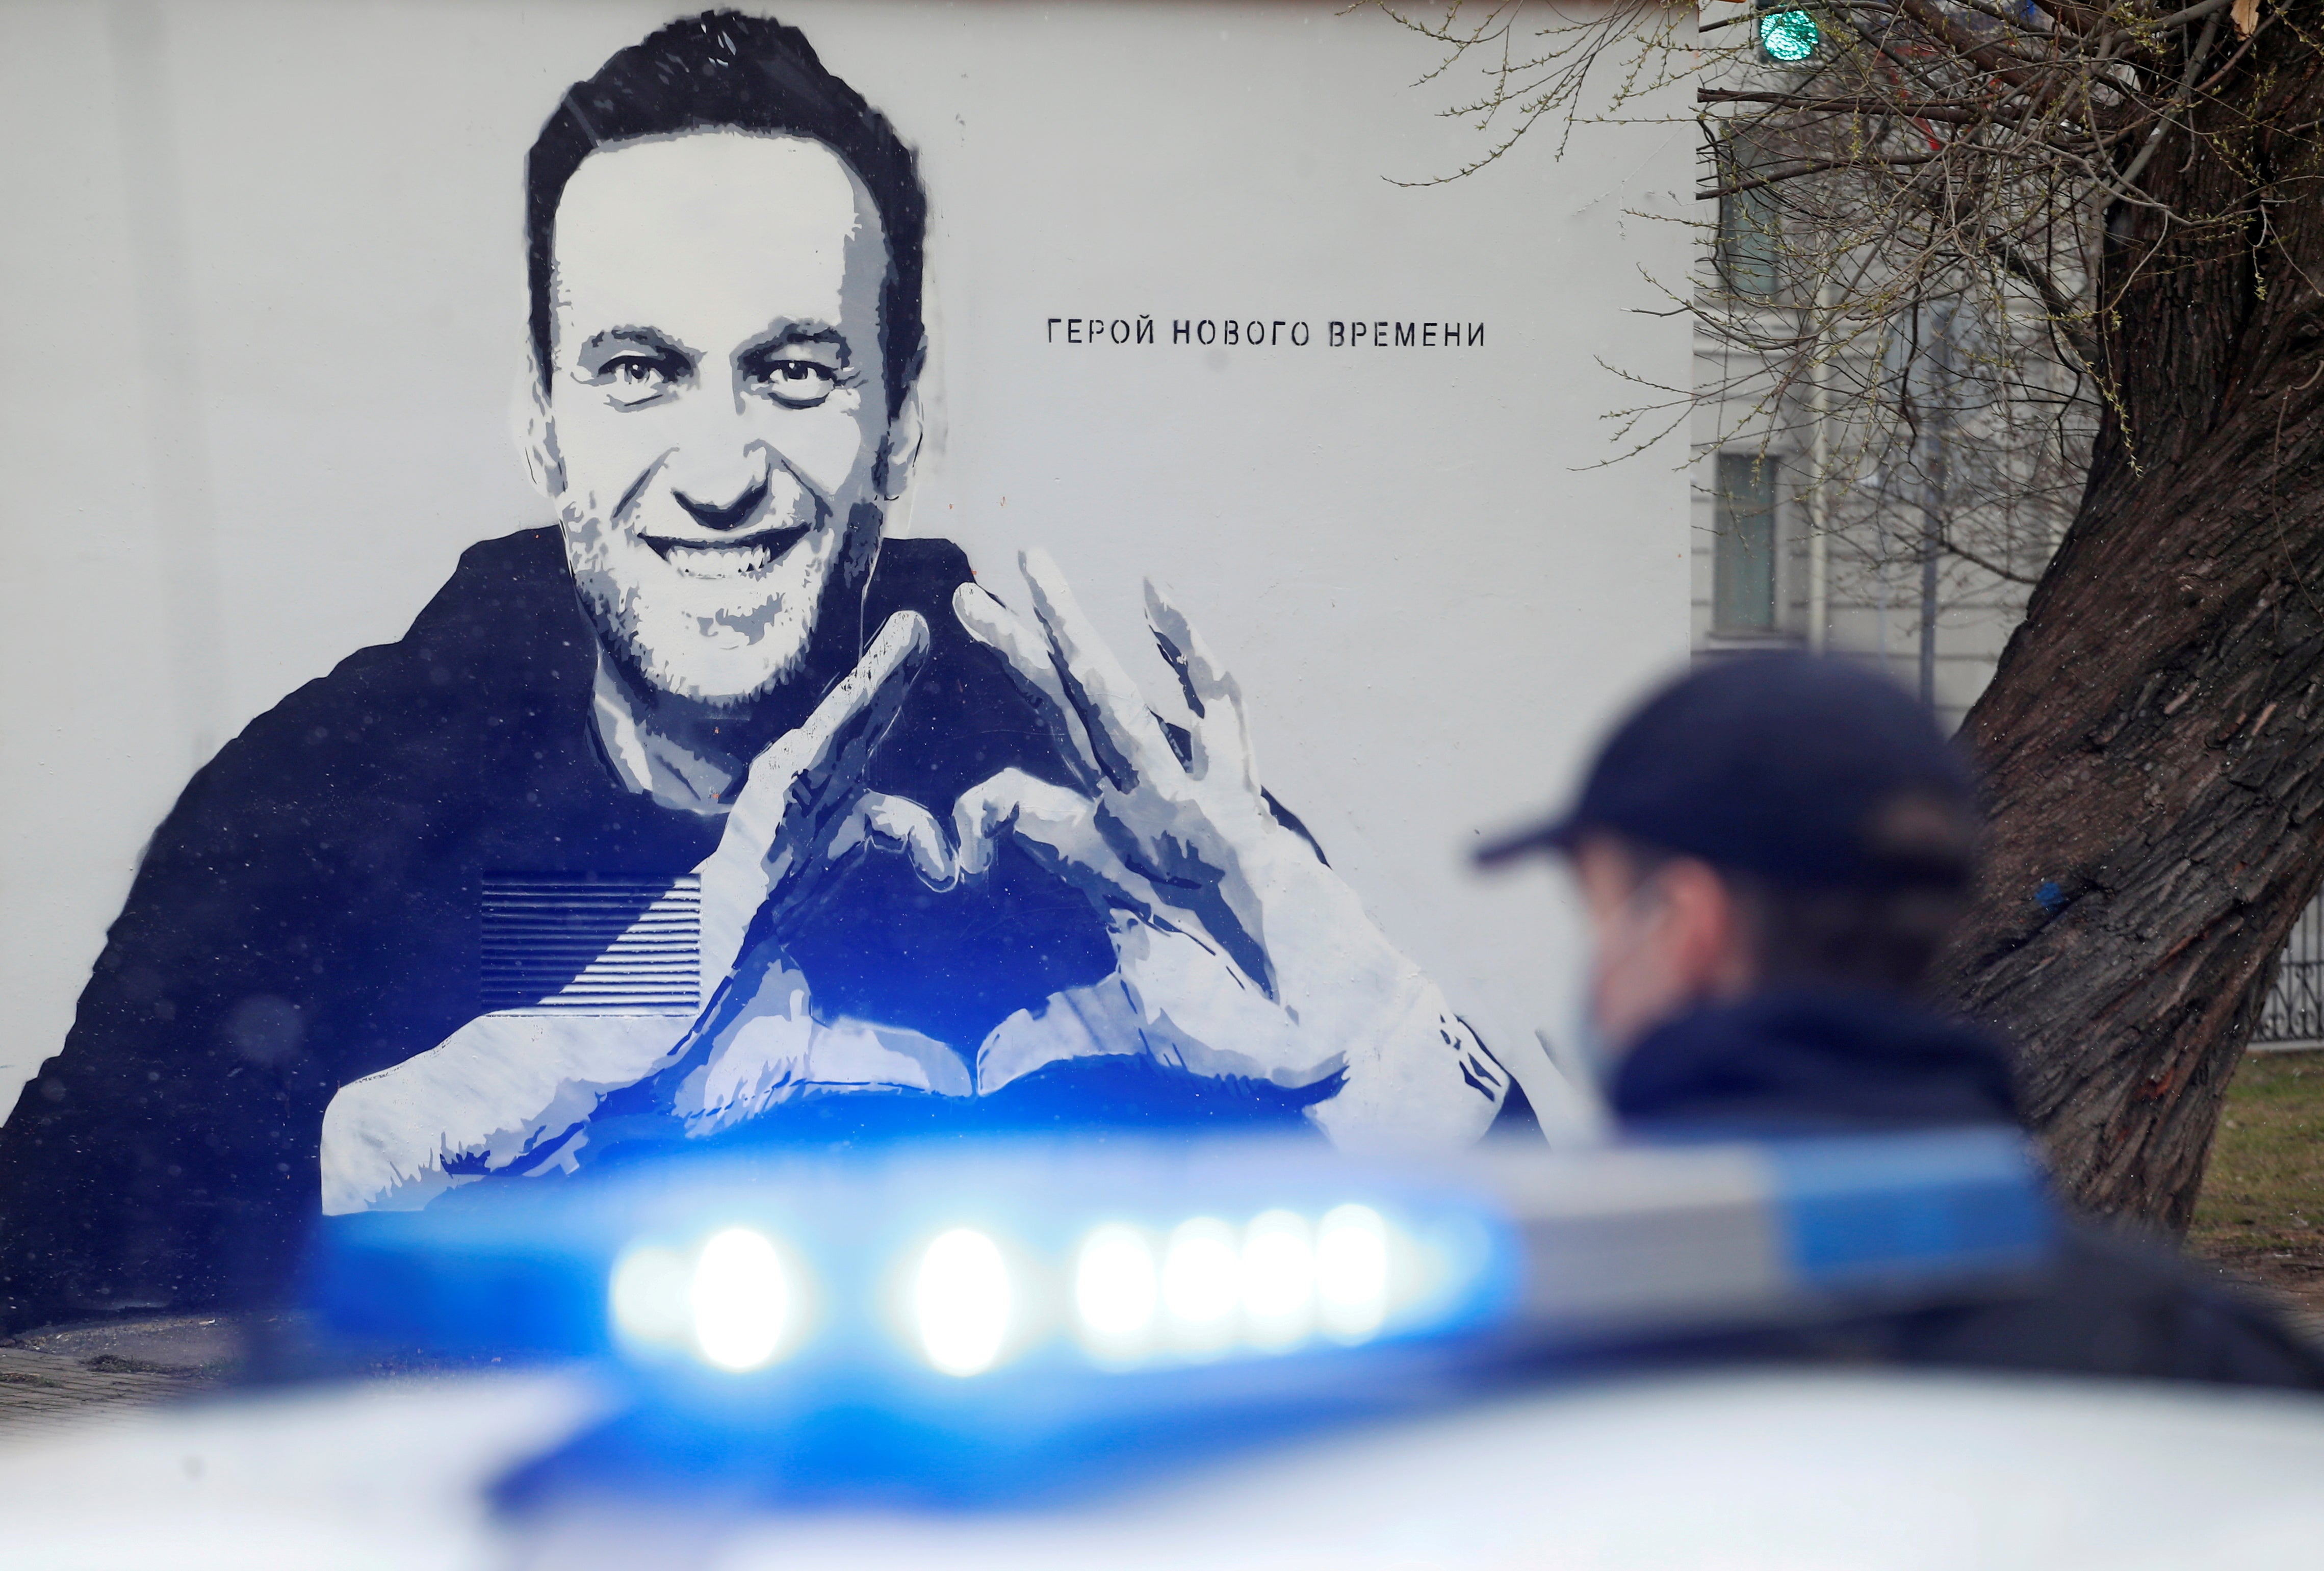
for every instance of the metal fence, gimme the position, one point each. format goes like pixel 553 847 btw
pixel 2293 1015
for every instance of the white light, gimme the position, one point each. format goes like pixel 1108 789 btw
pixel 1199 1280
pixel 960 1300
pixel 650 1295
pixel 739 1299
pixel 1278 1278
pixel 1351 1271
pixel 1116 1287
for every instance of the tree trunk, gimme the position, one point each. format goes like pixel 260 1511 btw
pixel 2154 739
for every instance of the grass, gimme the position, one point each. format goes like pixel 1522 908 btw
pixel 2262 1208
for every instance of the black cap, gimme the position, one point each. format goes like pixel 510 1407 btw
pixel 1808 772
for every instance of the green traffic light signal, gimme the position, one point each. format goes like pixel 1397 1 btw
pixel 1787 35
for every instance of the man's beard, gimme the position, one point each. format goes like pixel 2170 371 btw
pixel 720 643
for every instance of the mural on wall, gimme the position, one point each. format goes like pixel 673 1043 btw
pixel 711 812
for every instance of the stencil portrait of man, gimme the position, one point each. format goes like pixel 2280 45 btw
pixel 710 812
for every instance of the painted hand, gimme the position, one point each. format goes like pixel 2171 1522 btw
pixel 800 819
pixel 804 813
pixel 519 1091
pixel 1239 951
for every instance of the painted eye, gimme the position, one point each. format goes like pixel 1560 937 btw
pixel 799 383
pixel 633 378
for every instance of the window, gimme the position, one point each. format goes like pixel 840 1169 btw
pixel 1750 226
pixel 1743 554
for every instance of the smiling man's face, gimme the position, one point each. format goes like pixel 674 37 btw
pixel 717 418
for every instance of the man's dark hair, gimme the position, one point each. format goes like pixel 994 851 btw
pixel 724 71
pixel 1883 938
pixel 1882 931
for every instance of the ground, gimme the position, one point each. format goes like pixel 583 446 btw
pixel 49 1379
pixel 2261 1217
pixel 2262 1209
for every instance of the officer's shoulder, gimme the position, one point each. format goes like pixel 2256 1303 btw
pixel 2132 1264
pixel 2212 1327
pixel 2115 1303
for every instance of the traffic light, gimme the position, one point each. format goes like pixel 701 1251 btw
pixel 1786 35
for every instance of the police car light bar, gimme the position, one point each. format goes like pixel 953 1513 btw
pixel 1088 1276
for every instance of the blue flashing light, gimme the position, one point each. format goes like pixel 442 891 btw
pixel 1030 1262
pixel 974 1291
pixel 1788 36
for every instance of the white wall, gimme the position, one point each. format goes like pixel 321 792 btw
pixel 262 275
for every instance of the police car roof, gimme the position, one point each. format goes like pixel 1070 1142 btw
pixel 1864 1470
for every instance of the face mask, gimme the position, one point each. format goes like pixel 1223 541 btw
pixel 1587 1056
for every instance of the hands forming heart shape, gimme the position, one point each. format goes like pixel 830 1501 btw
pixel 1239 951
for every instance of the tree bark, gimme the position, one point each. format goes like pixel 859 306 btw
pixel 2152 741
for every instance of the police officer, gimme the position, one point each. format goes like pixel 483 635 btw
pixel 1772 851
